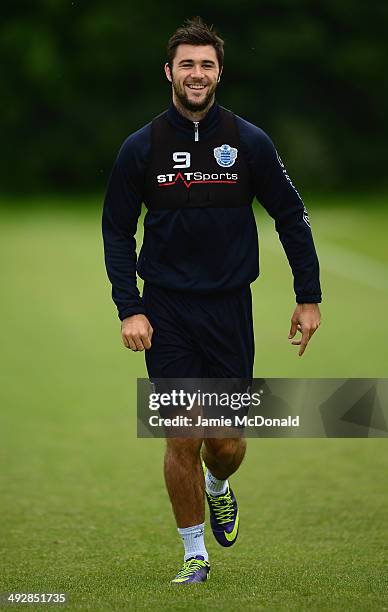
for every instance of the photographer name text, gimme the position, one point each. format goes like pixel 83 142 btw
pixel 236 421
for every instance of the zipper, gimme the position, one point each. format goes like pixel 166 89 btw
pixel 196 132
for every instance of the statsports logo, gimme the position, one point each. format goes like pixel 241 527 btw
pixel 196 178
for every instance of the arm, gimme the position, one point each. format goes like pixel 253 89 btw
pixel 122 207
pixel 277 194
pixel 281 200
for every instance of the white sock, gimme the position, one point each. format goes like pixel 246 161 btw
pixel 193 541
pixel 214 486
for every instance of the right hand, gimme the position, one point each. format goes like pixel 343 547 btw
pixel 136 332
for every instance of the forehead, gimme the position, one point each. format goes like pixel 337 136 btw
pixel 196 53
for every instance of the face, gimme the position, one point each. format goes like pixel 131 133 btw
pixel 194 76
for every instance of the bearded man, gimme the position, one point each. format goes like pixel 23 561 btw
pixel 198 167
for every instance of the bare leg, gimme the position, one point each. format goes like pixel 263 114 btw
pixel 223 456
pixel 184 480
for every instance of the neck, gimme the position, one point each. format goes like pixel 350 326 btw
pixel 192 115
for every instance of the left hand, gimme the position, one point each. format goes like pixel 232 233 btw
pixel 306 319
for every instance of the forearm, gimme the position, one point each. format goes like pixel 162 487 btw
pixel 122 208
pixel 120 262
pixel 298 245
pixel 283 202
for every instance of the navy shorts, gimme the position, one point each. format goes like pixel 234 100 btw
pixel 199 335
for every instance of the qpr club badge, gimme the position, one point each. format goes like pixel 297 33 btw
pixel 225 155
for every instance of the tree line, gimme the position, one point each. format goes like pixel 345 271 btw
pixel 79 76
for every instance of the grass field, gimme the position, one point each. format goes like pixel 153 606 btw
pixel 83 505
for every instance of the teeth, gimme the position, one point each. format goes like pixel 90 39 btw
pixel 196 86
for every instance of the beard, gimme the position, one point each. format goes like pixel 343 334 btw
pixel 191 105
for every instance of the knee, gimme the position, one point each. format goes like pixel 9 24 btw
pixel 224 450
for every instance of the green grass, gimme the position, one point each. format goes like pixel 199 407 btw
pixel 84 509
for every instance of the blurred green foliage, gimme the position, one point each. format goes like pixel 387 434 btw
pixel 79 76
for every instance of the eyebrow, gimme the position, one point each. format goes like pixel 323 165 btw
pixel 190 61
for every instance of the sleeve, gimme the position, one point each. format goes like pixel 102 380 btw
pixel 277 194
pixel 122 207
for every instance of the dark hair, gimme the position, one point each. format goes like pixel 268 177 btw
pixel 195 32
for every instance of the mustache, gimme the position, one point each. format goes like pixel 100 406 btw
pixel 199 82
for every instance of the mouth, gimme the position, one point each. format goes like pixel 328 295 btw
pixel 195 86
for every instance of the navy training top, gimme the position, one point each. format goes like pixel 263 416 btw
pixel 201 248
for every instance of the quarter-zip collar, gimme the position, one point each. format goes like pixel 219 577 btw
pixel 203 128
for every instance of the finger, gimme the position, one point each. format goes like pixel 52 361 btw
pixel 125 341
pixel 146 342
pixel 297 342
pixel 128 342
pixel 293 329
pixel 150 334
pixel 131 344
pixel 304 341
pixel 139 343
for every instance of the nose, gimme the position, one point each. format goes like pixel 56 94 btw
pixel 196 71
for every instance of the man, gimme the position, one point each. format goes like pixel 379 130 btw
pixel 197 168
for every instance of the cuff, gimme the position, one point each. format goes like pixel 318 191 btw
pixel 309 299
pixel 131 310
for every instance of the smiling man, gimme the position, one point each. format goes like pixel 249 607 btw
pixel 197 167
pixel 195 77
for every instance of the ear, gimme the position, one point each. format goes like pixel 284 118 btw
pixel 219 75
pixel 167 71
